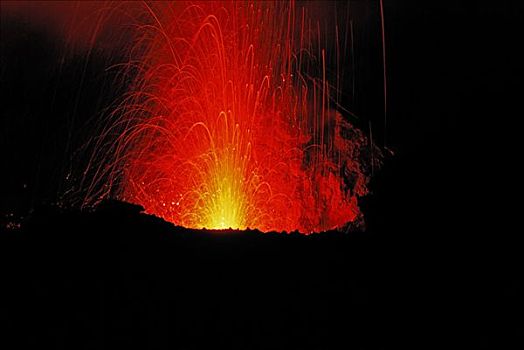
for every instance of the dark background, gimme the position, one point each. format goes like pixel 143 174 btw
pixel 438 266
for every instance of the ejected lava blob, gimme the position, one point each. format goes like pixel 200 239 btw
pixel 231 121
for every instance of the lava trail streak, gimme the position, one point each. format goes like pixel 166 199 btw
pixel 231 122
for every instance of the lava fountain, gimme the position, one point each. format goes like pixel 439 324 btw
pixel 231 122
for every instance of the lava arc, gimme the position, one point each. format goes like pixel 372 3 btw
pixel 232 121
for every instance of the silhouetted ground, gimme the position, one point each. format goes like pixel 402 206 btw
pixel 116 278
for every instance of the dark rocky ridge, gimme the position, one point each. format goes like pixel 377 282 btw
pixel 117 278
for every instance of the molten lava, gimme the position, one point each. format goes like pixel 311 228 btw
pixel 231 122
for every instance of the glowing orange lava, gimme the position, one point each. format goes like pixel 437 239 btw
pixel 231 122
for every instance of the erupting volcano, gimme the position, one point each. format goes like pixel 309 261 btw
pixel 233 121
